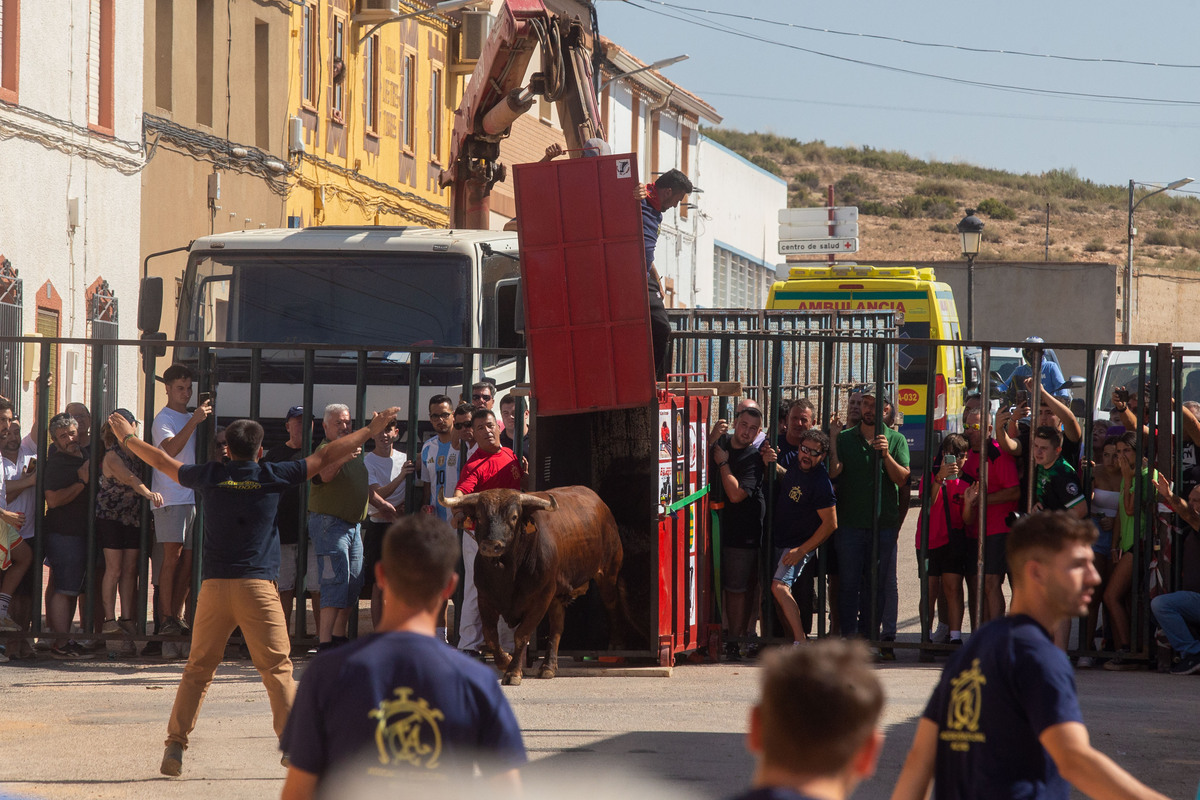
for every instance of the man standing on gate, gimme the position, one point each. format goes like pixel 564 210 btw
pixel 671 188
pixel 1004 720
pixel 852 464
pixel 241 562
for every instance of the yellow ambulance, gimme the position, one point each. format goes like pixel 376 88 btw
pixel 924 309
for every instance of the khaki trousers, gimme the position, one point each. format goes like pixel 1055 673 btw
pixel 223 605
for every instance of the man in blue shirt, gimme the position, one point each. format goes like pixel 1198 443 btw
pixel 241 562
pixel 815 730
pixel 671 188
pixel 401 706
pixel 1004 720
pixel 805 516
pixel 1051 374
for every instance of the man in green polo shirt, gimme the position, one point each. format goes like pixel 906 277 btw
pixel 859 454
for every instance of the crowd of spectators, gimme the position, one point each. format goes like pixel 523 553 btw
pixel 826 478
pixel 351 503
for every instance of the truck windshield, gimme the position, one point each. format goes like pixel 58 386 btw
pixel 405 300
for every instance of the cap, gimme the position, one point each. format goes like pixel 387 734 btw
pixel 869 391
pixel 127 414
pixel 294 411
pixel 596 147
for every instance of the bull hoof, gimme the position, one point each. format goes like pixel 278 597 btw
pixel 511 679
pixel 547 672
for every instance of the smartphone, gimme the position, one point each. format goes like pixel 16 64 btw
pixel 205 397
pixel 1122 393
pixel 949 458
pixel 1022 397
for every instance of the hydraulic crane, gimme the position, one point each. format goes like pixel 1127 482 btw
pixel 496 96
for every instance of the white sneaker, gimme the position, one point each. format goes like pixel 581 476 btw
pixel 7 624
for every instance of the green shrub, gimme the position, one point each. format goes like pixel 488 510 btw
pixel 941 227
pixel 808 179
pixel 995 209
pixel 1164 223
pixel 1096 245
pixel 766 163
pixel 937 188
pixel 1160 238
pixel 852 187
pixel 1189 239
pixel 895 226
pixel 876 208
pixel 992 236
pixel 1080 208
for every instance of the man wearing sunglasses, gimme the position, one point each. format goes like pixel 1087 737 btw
pixel 805 516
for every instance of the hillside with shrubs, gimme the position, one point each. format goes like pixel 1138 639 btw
pixel 908 208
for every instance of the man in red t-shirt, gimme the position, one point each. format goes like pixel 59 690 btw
pixel 492 466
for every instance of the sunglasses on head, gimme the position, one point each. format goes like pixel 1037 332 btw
pixel 460 426
pixel 815 452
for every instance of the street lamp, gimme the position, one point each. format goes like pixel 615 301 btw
pixel 444 7
pixel 1127 300
pixel 666 62
pixel 971 230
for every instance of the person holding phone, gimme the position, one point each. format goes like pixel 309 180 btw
pixel 173 432
pixel 947 551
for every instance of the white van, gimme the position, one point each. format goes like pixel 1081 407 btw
pixel 1120 368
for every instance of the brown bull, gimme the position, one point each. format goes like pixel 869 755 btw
pixel 537 553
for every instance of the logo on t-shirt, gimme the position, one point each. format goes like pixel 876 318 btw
pixel 407 731
pixel 796 494
pixel 966 703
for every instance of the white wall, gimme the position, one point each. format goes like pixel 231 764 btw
pixel 738 210
pixel 50 157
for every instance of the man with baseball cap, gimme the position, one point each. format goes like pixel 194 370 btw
pixel 857 455
pixel 671 188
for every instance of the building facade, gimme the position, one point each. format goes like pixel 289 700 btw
pixel 215 126
pixel 369 114
pixel 71 146
pixel 738 229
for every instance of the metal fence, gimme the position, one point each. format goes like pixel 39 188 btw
pixel 779 358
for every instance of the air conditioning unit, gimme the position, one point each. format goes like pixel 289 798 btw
pixel 295 135
pixel 372 11
pixel 476 26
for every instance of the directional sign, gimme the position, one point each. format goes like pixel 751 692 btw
pixel 807 216
pixel 792 247
pixel 842 230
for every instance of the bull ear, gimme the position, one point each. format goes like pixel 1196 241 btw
pixel 530 502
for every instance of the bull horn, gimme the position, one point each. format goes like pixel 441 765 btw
pixel 539 503
pixel 455 502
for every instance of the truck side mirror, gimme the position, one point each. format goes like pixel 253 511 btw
pixel 152 350
pixel 1074 382
pixel 150 301
pixel 972 375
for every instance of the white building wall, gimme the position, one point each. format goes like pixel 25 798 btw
pixel 50 159
pixel 738 211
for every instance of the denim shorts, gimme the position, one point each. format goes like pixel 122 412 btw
pixel 784 573
pixel 67 557
pixel 338 546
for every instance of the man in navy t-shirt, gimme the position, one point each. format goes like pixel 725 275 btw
pixel 1004 720
pixel 804 749
pixel 241 562
pixel 401 705
pixel 805 516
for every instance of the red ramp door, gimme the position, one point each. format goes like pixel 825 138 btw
pixel 587 322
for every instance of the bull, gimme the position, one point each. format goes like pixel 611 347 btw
pixel 537 552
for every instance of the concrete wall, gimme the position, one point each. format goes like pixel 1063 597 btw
pixel 739 208
pixel 1061 302
pixel 1165 305
pixel 53 160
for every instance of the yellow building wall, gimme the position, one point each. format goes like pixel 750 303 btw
pixel 358 168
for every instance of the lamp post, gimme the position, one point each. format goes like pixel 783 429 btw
pixel 444 7
pixel 665 62
pixel 970 228
pixel 1127 291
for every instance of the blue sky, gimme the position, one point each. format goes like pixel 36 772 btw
pixel 761 86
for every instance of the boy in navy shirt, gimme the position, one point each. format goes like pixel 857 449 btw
pixel 401 705
pixel 1004 720
pixel 805 516
pixel 814 733
pixel 241 563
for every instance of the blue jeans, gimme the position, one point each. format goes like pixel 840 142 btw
pixel 853 547
pixel 1174 612
pixel 338 546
